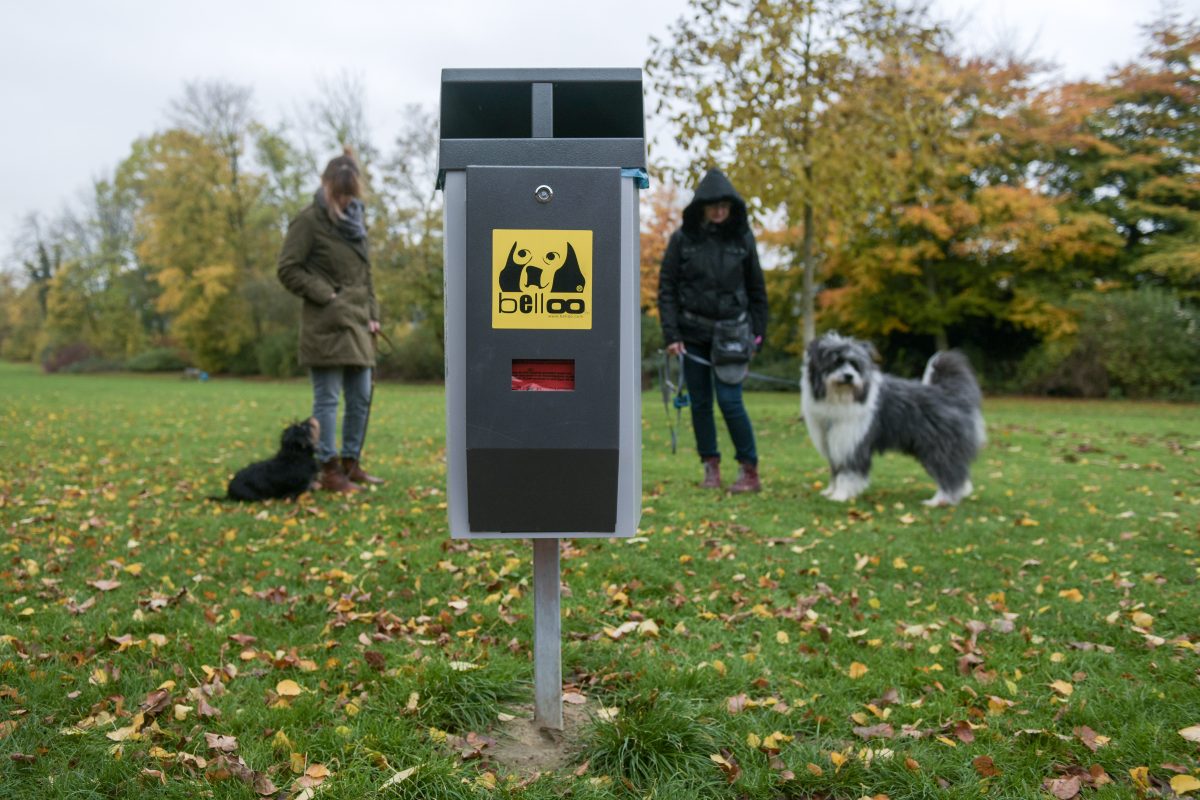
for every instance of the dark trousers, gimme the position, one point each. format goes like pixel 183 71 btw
pixel 702 384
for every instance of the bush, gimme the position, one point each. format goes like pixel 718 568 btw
pixel 417 356
pixel 161 359
pixel 276 355
pixel 1142 343
pixel 60 357
pixel 93 364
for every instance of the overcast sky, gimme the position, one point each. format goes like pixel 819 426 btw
pixel 82 80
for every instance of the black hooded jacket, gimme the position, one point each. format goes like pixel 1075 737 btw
pixel 710 272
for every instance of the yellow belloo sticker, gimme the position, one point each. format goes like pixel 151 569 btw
pixel 542 279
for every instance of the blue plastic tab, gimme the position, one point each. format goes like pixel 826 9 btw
pixel 638 174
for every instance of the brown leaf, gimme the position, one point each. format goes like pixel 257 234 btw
pixel 204 709
pixel 1062 788
pixel 221 743
pixel 737 703
pixel 1090 738
pixel 985 767
pixel 963 732
pixel 375 660
pixel 881 731
pixel 155 702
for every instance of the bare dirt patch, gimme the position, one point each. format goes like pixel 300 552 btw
pixel 524 748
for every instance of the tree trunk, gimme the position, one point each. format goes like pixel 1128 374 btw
pixel 808 300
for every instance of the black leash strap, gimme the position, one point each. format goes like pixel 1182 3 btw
pixel 674 393
pixel 755 375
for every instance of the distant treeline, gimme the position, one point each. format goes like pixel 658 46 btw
pixel 905 192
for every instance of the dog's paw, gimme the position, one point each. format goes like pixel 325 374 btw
pixel 939 500
pixel 827 491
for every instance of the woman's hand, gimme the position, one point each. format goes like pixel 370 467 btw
pixel 373 327
pixel 676 348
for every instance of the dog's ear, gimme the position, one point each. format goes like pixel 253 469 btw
pixel 874 353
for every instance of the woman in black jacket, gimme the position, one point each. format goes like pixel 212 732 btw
pixel 710 273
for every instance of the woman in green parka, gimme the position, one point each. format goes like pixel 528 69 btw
pixel 324 261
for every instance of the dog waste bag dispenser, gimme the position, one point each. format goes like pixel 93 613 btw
pixel 541 171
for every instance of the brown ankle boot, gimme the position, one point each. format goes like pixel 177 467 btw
pixel 747 480
pixel 333 478
pixel 356 473
pixel 712 473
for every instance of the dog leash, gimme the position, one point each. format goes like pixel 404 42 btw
pixel 673 394
pixel 755 375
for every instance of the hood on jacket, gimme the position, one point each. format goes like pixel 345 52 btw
pixel 715 186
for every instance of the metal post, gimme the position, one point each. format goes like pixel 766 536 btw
pixel 547 631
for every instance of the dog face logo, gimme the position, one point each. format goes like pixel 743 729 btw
pixel 542 279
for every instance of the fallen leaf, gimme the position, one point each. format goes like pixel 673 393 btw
pixel 985 766
pixel 857 670
pixel 220 742
pixel 1182 784
pixel 1191 733
pixel 288 688
pixel 1063 788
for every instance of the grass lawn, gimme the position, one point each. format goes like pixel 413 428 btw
pixel 1039 640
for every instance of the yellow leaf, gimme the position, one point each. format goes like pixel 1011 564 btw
pixel 776 739
pixel 1142 619
pixel 815 770
pixel 838 760
pixel 719 666
pixel 1191 733
pixel 753 740
pixel 1182 784
pixel 782 637
pixel 1063 688
pixel 298 763
pixel 281 742
pixel 947 741
pixel 288 688
pixel 857 670
pixel 1141 777
pixel 1074 595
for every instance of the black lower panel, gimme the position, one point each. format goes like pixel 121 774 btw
pixel 542 491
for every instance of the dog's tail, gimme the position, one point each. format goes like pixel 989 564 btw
pixel 950 371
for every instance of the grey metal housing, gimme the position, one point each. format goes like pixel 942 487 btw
pixel 542 464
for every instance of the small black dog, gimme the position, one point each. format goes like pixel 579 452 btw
pixel 288 474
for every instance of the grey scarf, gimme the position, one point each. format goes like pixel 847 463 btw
pixel 351 224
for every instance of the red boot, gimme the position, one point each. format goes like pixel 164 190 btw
pixel 747 480
pixel 712 473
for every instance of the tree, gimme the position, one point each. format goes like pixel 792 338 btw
pixel 1143 170
pixel 407 229
pixel 662 214
pixel 750 83
pixel 184 222
pixel 968 235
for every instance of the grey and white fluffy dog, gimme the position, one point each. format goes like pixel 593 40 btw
pixel 853 410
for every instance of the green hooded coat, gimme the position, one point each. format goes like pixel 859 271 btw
pixel 333 277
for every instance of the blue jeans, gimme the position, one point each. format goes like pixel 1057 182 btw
pixel 328 384
pixel 700 383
